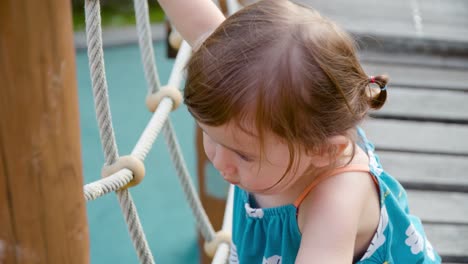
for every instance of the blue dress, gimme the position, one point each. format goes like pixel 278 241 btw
pixel 271 235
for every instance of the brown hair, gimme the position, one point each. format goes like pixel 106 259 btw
pixel 284 67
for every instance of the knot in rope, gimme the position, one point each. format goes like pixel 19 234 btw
pixel 135 165
pixel 175 39
pixel 219 238
pixel 153 100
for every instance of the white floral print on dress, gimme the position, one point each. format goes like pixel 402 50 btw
pixel 430 250
pixel 253 212
pixel 272 260
pixel 379 238
pixel 233 258
pixel 415 241
pixel 374 165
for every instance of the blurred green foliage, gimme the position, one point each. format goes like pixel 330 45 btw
pixel 115 13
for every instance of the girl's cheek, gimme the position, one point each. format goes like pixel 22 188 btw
pixel 209 147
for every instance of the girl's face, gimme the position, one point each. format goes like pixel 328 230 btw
pixel 237 156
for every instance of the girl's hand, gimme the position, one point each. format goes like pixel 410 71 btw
pixel 193 19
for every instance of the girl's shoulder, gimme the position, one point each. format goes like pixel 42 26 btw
pixel 332 215
pixel 345 194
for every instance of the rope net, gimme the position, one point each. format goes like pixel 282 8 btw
pixel 160 121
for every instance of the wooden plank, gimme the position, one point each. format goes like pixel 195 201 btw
pixel 425 104
pixel 414 60
pixel 399 17
pixel 426 169
pixel 40 168
pixel 418 136
pixel 7 237
pixel 439 207
pixel 450 241
pixel 424 77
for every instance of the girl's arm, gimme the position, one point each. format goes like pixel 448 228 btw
pixel 330 219
pixel 193 19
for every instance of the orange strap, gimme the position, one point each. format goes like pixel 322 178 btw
pixel 320 178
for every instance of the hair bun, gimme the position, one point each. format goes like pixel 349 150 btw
pixel 378 100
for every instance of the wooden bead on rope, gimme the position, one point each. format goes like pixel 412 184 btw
pixel 126 162
pixel 220 237
pixel 175 39
pixel 153 100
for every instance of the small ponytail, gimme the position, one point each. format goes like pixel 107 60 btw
pixel 376 101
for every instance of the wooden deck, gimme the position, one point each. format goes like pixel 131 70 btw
pixel 421 135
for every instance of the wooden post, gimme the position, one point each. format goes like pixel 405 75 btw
pixel 213 192
pixel 42 207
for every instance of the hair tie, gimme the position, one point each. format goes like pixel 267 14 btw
pixel 372 80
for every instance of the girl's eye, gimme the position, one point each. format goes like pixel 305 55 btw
pixel 244 158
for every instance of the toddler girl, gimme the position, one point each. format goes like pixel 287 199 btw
pixel 279 93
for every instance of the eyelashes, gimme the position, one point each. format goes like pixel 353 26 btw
pixel 209 140
pixel 243 157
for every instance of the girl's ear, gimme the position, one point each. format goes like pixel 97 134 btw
pixel 340 144
pixel 329 152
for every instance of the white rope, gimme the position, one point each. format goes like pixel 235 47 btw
pixel 232 6
pixel 118 180
pixel 222 254
pixel 121 178
pixel 146 45
pixel 184 53
pixel 98 78
pixel 203 223
pixel 191 195
pixel 96 189
pixel 101 101
pixel 146 48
